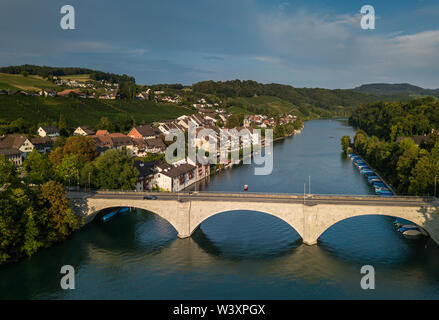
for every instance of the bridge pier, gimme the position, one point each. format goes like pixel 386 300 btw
pixel 310 217
pixel 183 236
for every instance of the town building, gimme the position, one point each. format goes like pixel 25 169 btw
pixel 13 155
pixel 42 144
pixel 84 131
pixel 112 141
pixel 176 177
pixel 48 131
pixel 144 132
pixel 17 141
pixel 146 178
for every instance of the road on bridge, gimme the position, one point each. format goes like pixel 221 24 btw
pixel 259 197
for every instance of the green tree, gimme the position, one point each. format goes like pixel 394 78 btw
pixel 56 214
pixel 115 170
pixel 32 241
pixel 88 175
pixel 38 168
pixel 127 90
pixel 62 126
pixel 83 147
pixel 406 162
pixel 345 143
pixel 68 170
pixel 424 173
pixel 8 173
pixel 105 124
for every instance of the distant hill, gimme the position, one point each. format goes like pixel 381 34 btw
pixel 395 89
pixel 309 102
pixel 45 71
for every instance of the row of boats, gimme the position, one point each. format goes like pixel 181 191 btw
pixel 408 229
pixel 405 227
pixel 379 186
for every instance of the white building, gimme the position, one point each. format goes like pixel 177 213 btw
pixel 48 131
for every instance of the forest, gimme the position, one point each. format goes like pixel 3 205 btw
pixel 385 141
pixel 388 120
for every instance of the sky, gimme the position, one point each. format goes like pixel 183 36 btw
pixel 303 43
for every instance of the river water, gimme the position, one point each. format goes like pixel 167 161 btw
pixel 241 254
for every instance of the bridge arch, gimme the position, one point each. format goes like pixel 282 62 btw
pixel 417 216
pixel 202 210
pixel 94 214
pixel 90 207
pixel 274 215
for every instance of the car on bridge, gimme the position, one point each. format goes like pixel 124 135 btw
pixel 149 197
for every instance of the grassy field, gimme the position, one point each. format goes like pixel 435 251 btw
pixel 84 111
pixel 263 104
pixel 77 77
pixel 19 82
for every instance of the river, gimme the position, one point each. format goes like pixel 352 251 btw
pixel 241 254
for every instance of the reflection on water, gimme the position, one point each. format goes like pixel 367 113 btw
pixel 233 255
pixel 240 254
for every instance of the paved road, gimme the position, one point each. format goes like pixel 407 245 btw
pixel 276 198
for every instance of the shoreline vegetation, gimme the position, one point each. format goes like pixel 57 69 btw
pixel 401 141
pixel 32 217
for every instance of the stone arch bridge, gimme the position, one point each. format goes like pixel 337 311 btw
pixel 309 215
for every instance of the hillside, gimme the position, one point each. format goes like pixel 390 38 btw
pixel 77 77
pixel 395 89
pixel 84 111
pixel 309 102
pixel 262 104
pixel 19 82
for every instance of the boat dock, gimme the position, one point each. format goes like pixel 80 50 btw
pixel 381 186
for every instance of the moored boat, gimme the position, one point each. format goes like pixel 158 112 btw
pixel 412 233
pixel 108 216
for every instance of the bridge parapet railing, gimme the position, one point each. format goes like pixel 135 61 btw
pixel 268 195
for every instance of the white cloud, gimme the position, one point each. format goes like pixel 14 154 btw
pixel 267 59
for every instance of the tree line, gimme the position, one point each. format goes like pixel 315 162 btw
pixel 75 162
pixel 410 168
pixel 314 96
pixel 46 72
pixel 388 120
pixel 31 217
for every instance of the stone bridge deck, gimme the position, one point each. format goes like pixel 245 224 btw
pixel 310 216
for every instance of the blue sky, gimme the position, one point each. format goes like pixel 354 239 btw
pixel 304 43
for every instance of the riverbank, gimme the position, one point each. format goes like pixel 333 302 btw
pixel 377 174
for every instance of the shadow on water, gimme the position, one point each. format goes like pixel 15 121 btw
pixel 122 240
pixel 374 240
pixel 240 235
